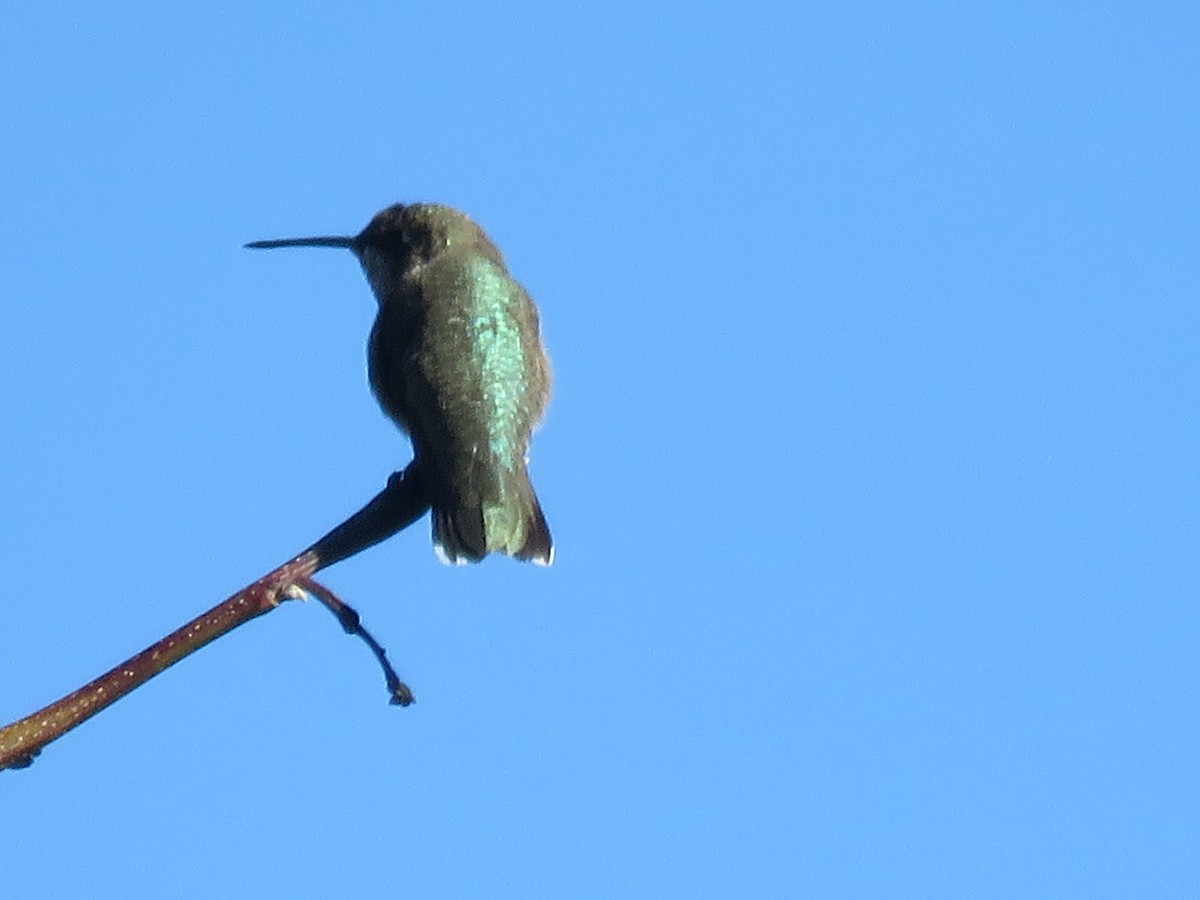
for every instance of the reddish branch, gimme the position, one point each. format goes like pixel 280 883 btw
pixel 397 506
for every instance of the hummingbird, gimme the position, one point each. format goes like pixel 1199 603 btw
pixel 455 358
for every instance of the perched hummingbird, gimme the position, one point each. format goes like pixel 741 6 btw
pixel 455 358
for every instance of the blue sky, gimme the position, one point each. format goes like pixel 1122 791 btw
pixel 871 462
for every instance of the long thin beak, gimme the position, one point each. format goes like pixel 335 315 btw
pixel 344 242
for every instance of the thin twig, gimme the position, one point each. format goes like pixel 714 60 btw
pixel 351 623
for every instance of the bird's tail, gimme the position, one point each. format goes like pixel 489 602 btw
pixel 511 522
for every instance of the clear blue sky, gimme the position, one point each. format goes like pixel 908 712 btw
pixel 871 461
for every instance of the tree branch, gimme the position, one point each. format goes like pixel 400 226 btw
pixel 398 505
